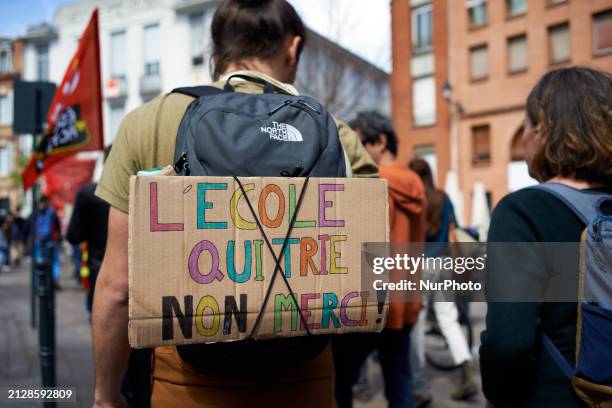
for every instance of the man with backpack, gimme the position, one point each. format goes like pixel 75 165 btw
pixel 256 48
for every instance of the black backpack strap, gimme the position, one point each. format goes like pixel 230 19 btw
pixel 267 87
pixel 197 91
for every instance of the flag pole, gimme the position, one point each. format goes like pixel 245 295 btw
pixel 34 283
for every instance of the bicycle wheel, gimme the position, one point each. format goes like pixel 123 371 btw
pixel 437 353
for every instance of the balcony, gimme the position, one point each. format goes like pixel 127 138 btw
pixel 8 74
pixel 191 6
pixel 6 132
pixel 151 81
pixel 116 88
pixel 150 85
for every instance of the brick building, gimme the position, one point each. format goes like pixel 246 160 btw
pixel 462 70
pixel 11 63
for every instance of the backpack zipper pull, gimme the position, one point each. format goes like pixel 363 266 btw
pixel 303 102
pixel 282 105
pixel 181 167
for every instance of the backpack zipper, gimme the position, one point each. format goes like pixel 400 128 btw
pixel 303 102
pixel 282 105
pixel 290 102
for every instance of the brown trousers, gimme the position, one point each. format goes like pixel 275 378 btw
pixel 177 384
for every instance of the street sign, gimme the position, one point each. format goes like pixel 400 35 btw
pixel 31 103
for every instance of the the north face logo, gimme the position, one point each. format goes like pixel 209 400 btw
pixel 283 132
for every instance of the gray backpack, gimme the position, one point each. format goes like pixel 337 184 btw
pixel 591 378
pixel 227 133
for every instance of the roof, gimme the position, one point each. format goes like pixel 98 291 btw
pixel 39 31
pixel 346 53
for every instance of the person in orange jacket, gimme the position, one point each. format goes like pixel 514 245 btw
pixel 407 214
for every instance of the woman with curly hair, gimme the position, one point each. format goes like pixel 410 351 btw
pixel 568 140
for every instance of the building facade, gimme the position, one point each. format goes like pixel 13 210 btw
pixel 11 62
pixel 420 70
pixel 149 47
pixel 344 82
pixel 496 51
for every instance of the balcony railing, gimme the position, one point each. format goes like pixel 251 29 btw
pixel 117 87
pixel 6 131
pixel 150 84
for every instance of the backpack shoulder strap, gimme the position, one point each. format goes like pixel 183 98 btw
pixel 197 91
pixel 557 357
pixel 585 204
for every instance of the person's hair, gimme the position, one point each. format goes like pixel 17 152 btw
pixel 435 198
pixel 251 29
pixel 371 124
pixel 570 110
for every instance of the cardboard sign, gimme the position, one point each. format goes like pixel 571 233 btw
pixel 200 268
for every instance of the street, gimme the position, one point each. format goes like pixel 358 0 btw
pixel 19 359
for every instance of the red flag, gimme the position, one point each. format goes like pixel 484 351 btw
pixel 74 120
pixel 62 182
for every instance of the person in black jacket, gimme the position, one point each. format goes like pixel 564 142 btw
pixel 89 223
pixel 568 140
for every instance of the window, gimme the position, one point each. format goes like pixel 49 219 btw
pixel 477 12
pixel 115 118
pixel 5 60
pixel 117 54
pixel 422 27
pixel 151 50
pixel 481 145
pixel 517 53
pixel 488 201
pixel 516 7
pixel 517 147
pixel 518 173
pixel 42 62
pixel 479 62
pixel 559 47
pixel 25 147
pixel 6 114
pixel 196 28
pixel 424 101
pixel 602 32
pixel 6 160
pixel 428 153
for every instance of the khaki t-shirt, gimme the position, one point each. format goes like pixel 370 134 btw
pixel 147 136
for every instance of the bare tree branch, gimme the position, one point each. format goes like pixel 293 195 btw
pixel 340 80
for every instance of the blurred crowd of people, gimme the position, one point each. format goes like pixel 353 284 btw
pixel 46 237
pixel 14 232
pixel 39 235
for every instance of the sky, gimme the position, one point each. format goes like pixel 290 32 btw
pixel 362 26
